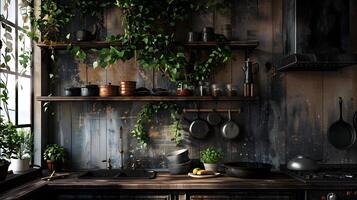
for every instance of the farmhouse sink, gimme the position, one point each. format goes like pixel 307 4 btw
pixel 118 174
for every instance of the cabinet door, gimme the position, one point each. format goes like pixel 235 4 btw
pixel 145 197
pixel 227 197
pixel 209 197
pixel 243 196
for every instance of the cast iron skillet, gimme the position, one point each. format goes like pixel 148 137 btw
pixel 247 169
pixel 341 134
pixel 199 128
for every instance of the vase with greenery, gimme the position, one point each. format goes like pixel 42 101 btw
pixel 55 156
pixel 211 157
pixel 20 160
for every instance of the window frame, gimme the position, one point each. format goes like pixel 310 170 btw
pixel 16 28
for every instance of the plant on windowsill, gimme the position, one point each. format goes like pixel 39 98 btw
pixel 55 156
pixel 211 158
pixel 20 160
pixel 7 146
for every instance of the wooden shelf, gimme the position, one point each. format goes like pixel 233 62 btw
pixel 143 98
pixel 83 45
pixel 248 44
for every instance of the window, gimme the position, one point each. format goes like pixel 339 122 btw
pixel 15 70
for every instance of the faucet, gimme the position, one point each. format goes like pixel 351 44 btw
pixel 109 161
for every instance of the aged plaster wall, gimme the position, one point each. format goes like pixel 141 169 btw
pixel 292 116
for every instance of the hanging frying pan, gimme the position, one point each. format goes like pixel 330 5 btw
pixel 213 118
pixel 341 134
pixel 230 129
pixel 199 128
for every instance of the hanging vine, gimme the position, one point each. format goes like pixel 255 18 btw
pixel 148 113
pixel 149 30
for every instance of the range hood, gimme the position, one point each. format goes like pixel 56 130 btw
pixel 319 34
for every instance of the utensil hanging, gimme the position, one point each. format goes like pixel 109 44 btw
pixel 341 134
pixel 199 128
pixel 230 130
pixel 213 118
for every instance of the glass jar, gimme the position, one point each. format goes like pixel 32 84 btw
pixel 216 90
pixel 231 90
pixel 203 89
pixel 184 90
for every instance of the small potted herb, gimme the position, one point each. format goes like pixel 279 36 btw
pixel 210 158
pixel 20 160
pixel 54 156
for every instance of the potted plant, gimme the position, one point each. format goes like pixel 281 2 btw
pixel 210 158
pixel 54 156
pixel 20 160
pixel 7 146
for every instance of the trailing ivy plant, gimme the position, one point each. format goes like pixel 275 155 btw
pixel 149 30
pixel 53 18
pixel 149 112
pixel 202 71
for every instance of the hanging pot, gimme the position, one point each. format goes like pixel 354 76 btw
pixel 230 130
pixel 213 118
pixel 341 134
pixel 199 128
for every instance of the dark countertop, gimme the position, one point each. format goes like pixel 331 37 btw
pixel 165 181
pixel 183 182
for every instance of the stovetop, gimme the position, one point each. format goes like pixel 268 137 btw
pixel 346 173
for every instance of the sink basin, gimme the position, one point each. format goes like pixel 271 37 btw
pixel 118 174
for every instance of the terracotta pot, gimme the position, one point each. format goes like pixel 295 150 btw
pixel 108 90
pixel 52 165
pixel 3 171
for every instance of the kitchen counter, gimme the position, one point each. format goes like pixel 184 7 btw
pixel 183 182
pixel 165 181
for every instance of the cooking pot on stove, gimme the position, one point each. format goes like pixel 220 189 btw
pixel 302 163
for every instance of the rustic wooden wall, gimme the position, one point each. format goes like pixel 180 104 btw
pixel 291 118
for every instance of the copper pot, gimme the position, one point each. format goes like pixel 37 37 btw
pixel 108 90
pixel 127 88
